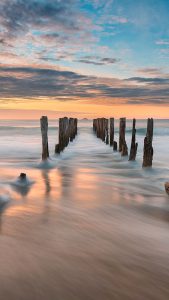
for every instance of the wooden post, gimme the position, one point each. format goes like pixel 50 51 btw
pixel 75 125
pixel 94 125
pixel 102 127
pixel 57 149
pixel 167 187
pixel 111 131
pixel 98 128
pixel 67 132
pixel 72 128
pixel 122 142
pixel 122 127
pixel 114 145
pixel 124 149
pixel 107 131
pixel 134 145
pixel 44 131
pixel 148 149
pixel 63 134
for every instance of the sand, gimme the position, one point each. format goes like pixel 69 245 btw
pixel 97 254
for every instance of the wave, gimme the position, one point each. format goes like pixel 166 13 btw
pixel 13 128
pixel 157 131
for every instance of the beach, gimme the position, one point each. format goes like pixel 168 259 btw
pixel 91 224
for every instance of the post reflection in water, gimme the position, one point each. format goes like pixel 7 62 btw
pixel 66 174
pixel 45 175
pixel 46 179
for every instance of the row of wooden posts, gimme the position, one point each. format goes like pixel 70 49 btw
pixel 67 133
pixel 104 129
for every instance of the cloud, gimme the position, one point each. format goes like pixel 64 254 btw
pixel 44 37
pixel 151 71
pixel 164 52
pixel 31 82
pixel 18 15
pixel 118 19
pixel 101 4
pixel 162 42
pixel 153 80
pixel 98 61
pixel 48 19
pixel 30 27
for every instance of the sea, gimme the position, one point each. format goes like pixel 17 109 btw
pixel 83 213
pixel 87 164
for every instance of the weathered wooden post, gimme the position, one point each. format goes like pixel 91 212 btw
pixel 57 146
pixel 148 149
pixel 122 127
pixel 124 149
pixel 101 126
pixel 106 131
pixel 114 145
pixel 76 123
pixel 63 134
pixel 44 131
pixel 101 129
pixel 167 187
pixel 97 126
pixel 75 126
pixel 94 125
pixel 122 142
pixel 72 128
pixel 100 132
pixel 67 132
pixel 134 145
pixel 111 131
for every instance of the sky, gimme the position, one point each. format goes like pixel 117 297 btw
pixel 84 58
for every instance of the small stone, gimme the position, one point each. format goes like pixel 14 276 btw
pixel 22 176
pixel 167 187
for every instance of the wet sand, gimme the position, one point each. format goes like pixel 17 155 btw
pixel 101 253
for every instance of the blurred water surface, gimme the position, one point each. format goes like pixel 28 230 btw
pixel 92 226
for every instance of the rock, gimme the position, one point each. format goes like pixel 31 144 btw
pixel 22 176
pixel 167 187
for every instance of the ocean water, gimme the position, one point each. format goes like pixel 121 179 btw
pixel 87 213
pixel 87 158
